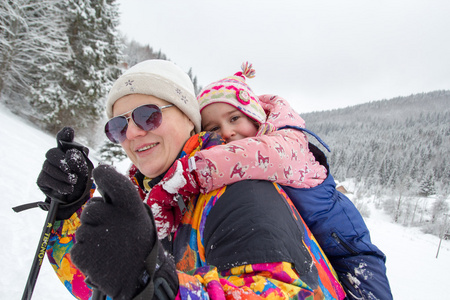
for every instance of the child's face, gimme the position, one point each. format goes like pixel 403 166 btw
pixel 227 121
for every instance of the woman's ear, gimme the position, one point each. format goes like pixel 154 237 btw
pixel 191 124
pixel 193 128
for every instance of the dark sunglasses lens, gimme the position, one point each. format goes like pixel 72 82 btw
pixel 116 129
pixel 147 117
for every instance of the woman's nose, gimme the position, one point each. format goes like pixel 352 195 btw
pixel 133 131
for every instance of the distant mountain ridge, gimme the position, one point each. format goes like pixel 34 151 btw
pixel 400 143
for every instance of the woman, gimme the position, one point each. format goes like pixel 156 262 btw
pixel 227 243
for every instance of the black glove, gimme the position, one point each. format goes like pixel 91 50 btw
pixel 116 245
pixel 66 174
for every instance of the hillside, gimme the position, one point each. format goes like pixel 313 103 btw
pixel 390 143
pixel 398 150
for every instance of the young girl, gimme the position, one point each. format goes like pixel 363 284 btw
pixel 265 140
pixel 277 152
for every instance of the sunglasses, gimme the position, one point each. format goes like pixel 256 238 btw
pixel 147 117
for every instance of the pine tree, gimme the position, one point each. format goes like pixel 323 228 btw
pixel 46 90
pixel 34 42
pixel 340 165
pixel 427 186
pixel 134 52
pixel 13 69
pixel 110 152
pixel 191 75
pixel 93 65
pixel 383 172
pixel 12 23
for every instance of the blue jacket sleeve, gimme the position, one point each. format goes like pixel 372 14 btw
pixel 344 237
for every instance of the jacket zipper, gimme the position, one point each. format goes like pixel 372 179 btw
pixel 341 242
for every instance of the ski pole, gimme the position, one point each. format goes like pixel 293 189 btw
pixel 40 251
pixel 51 216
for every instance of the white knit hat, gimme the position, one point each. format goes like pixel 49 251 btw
pixel 159 78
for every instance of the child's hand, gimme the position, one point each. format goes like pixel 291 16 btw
pixel 174 190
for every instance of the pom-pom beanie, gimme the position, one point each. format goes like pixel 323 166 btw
pixel 233 90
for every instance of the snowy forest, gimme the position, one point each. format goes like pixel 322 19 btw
pixel 58 59
pixel 397 150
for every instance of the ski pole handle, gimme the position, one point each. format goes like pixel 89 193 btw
pixel 40 251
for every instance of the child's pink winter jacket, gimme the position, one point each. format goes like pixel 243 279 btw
pixel 281 156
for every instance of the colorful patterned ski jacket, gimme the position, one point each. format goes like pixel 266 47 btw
pixel 243 241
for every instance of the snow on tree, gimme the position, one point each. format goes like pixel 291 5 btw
pixel 110 152
pixel 46 90
pixel 34 42
pixel 58 59
pixel 93 66
pixel 194 80
pixel 135 52
pixel 396 151
pixel 388 140
pixel 427 187
pixel 11 24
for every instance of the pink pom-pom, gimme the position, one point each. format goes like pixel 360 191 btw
pixel 247 70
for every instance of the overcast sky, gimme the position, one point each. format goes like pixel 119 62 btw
pixel 318 55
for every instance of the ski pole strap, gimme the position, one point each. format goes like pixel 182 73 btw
pixel 310 132
pixel 98 295
pixel 45 205
pixel 163 291
pixel 155 288
pixel 58 197
pixel 146 279
pixel 41 204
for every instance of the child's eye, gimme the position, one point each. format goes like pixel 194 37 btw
pixel 215 128
pixel 234 118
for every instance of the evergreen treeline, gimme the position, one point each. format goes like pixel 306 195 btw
pixel 397 144
pixel 397 151
pixel 135 52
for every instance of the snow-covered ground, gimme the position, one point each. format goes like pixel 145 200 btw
pixel 413 269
